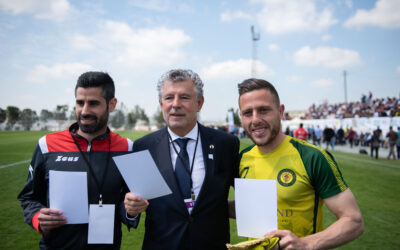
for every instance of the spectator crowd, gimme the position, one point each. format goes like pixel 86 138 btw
pixel 331 137
pixel 366 107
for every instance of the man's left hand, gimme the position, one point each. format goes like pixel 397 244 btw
pixel 288 240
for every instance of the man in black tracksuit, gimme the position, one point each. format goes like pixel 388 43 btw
pixel 87 146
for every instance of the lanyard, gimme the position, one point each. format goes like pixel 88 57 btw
pixel 187 169
pixel 98 184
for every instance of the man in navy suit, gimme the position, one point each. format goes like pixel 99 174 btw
pixel 199 165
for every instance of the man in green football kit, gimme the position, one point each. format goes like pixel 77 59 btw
pixel 307 176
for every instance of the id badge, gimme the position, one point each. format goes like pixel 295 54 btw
pixel 189 204
pixel 101 224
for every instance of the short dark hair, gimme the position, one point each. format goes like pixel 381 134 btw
pixel 252 84
pixel 93 79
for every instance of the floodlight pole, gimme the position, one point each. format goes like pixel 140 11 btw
pixel 255 37
pixel 345 86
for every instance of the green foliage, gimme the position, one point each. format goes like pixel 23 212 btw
pixel 373 182
pixel 3 115
pixel 72 114
pixel 45 115
pixel 61 112
pixel 27 118
pixel 159 118
pixel 137 114
pixel 117 119
pixel 236 117
pixel 144 117
pixel 13 114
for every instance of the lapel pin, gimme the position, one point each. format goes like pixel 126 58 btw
pixel 211 156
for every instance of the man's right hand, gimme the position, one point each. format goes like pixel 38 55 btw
pixel 50 219
pixel 134 204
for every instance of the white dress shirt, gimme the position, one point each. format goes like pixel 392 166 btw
pixel 199 171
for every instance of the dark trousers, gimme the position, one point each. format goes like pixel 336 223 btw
pixel 376 151
pixel 398 152
pixel 351 143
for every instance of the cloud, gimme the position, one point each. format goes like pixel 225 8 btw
pixel 156 5
pixel 186 8
pixel 294 78
pixel 321 83
pixel 229 16
pixel 280 17
pixel 81 42
pixel 273 47
pixel 157 46
pixel 348 3
pixel 385 14
pixel 327 57
pixel 41 73
pixel 240 68
pixel 326 38
pixel 56 10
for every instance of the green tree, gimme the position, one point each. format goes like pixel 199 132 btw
pixel 236 117
pixel 45 115
pixel 131 120
pixel 135 115
pixel 72 115
pixel 117 119
pixel 3 115
pixel 27 118
pixel 61 112
pixel 144 117
pixel 159 118
pixel 13 114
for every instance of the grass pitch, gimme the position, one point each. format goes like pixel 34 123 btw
pixel 375 185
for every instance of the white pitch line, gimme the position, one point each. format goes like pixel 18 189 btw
pixel 372 161
pixel 14 164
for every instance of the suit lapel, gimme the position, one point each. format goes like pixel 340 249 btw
pixel 208 158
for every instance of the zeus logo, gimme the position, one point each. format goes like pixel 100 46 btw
pixel 67 158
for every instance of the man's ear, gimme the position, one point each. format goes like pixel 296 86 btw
pixel 112 104
pixel 160 102
pixel 200 103
pixel 281 110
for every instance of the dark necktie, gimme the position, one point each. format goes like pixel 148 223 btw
pixel 182 171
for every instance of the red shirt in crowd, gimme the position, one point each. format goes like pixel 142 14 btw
pixel 301 133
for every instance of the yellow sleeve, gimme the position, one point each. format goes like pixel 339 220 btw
pixel 258 244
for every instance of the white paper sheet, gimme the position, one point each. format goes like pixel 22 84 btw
pixel 101 224
pixel 68 193
pixel 142 175
pixel 256 207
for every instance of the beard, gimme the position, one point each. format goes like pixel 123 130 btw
pixel 274 129
pixel 274 133
pixel 99 123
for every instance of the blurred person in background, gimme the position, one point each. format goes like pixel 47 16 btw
pixel 351 136
pixel 329 137
pixel 301 133
pixel 375 143
pixel 392 139
pixel 317 136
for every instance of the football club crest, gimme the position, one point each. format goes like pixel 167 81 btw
pixel 286 177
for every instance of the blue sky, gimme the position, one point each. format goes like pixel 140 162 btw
pixel 304 47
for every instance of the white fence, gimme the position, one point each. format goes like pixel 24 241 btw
pixel 362 124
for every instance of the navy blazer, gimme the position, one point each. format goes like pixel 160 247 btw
pixel 168 223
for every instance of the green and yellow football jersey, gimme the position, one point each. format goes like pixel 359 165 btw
pixel 305 175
